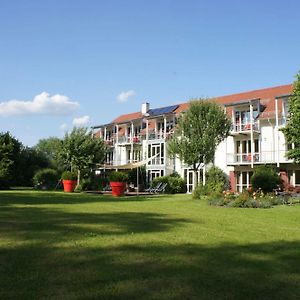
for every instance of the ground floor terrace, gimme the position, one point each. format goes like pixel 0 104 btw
pixel 240 177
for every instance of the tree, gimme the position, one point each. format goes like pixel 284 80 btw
pixel 9 156
pixel 292 128
pixel 50 148
pixel 80 150
pixel 30 161
pixel 200 130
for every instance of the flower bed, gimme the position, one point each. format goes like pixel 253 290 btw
pixel 247 199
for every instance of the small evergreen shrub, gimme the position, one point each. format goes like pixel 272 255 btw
pixel 216 183
pixel 265 178
pixel 45 178
pixel 216 180
pixel 176 185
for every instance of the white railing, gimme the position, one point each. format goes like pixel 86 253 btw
pixel 129 140
pixel 258 157
pixel 245 127
pixel 282 121
pixel 119 162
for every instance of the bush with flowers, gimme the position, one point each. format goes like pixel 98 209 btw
pixel 247 199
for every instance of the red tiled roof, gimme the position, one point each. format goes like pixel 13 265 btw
pixel 266 95
pixel 127 117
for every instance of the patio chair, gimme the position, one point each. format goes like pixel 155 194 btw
pixel 151 189
pixel 161 189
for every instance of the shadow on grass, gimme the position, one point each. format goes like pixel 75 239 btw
pixel 42 197
pixel 54 254
pixel 187 271
pixel 45 224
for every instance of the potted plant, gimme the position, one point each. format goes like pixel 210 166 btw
pixel 118 183
pixel 69 180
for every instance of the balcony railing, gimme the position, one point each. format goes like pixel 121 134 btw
pixel 245 127
pixel 160 135
pixel 119 162
pixel 129 140
pixel 109 142
pixel 258 157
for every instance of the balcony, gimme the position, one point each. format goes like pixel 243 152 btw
pixel 245 128
pixel 130 140
pixel 160 135
pixel 263 157
pixel 109 142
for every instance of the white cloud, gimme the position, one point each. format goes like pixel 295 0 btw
pixel 123 96
pixel 43 103
pixel 81 121
pixel 63 127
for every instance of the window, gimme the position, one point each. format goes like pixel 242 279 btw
pixel 243 180
pixel 156 150
pixel 243 150
pixel 109 157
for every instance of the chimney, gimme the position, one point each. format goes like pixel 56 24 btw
pixel 145 107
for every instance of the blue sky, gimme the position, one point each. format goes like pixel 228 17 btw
pixel 66 62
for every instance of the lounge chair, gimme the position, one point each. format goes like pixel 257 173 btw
pixel 161 189
pixel 151 189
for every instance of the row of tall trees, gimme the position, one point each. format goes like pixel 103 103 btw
pixel 18 163
pixel 78 151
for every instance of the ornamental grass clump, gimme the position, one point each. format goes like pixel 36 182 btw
pixel 68 175
pixel 118 176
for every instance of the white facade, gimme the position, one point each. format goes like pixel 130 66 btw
pixel 255 139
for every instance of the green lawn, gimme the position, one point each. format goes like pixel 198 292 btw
pixel 72 246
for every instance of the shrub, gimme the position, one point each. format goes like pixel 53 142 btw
pixel 247 199
pixel 175 184
pixel 118 176
pixel 200 191
pixel 252 203
pixel 265 178
pixel 216 179
pixel 216 182
pixel 265 203
pixel 46 178
pixel 216 201
pixel 68 175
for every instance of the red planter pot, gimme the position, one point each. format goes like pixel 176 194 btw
pixel 69 185
pixel 117 188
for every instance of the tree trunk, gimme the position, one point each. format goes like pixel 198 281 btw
pixel 195 179
pixel 78 177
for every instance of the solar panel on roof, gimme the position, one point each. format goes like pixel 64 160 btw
pixel 163 110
